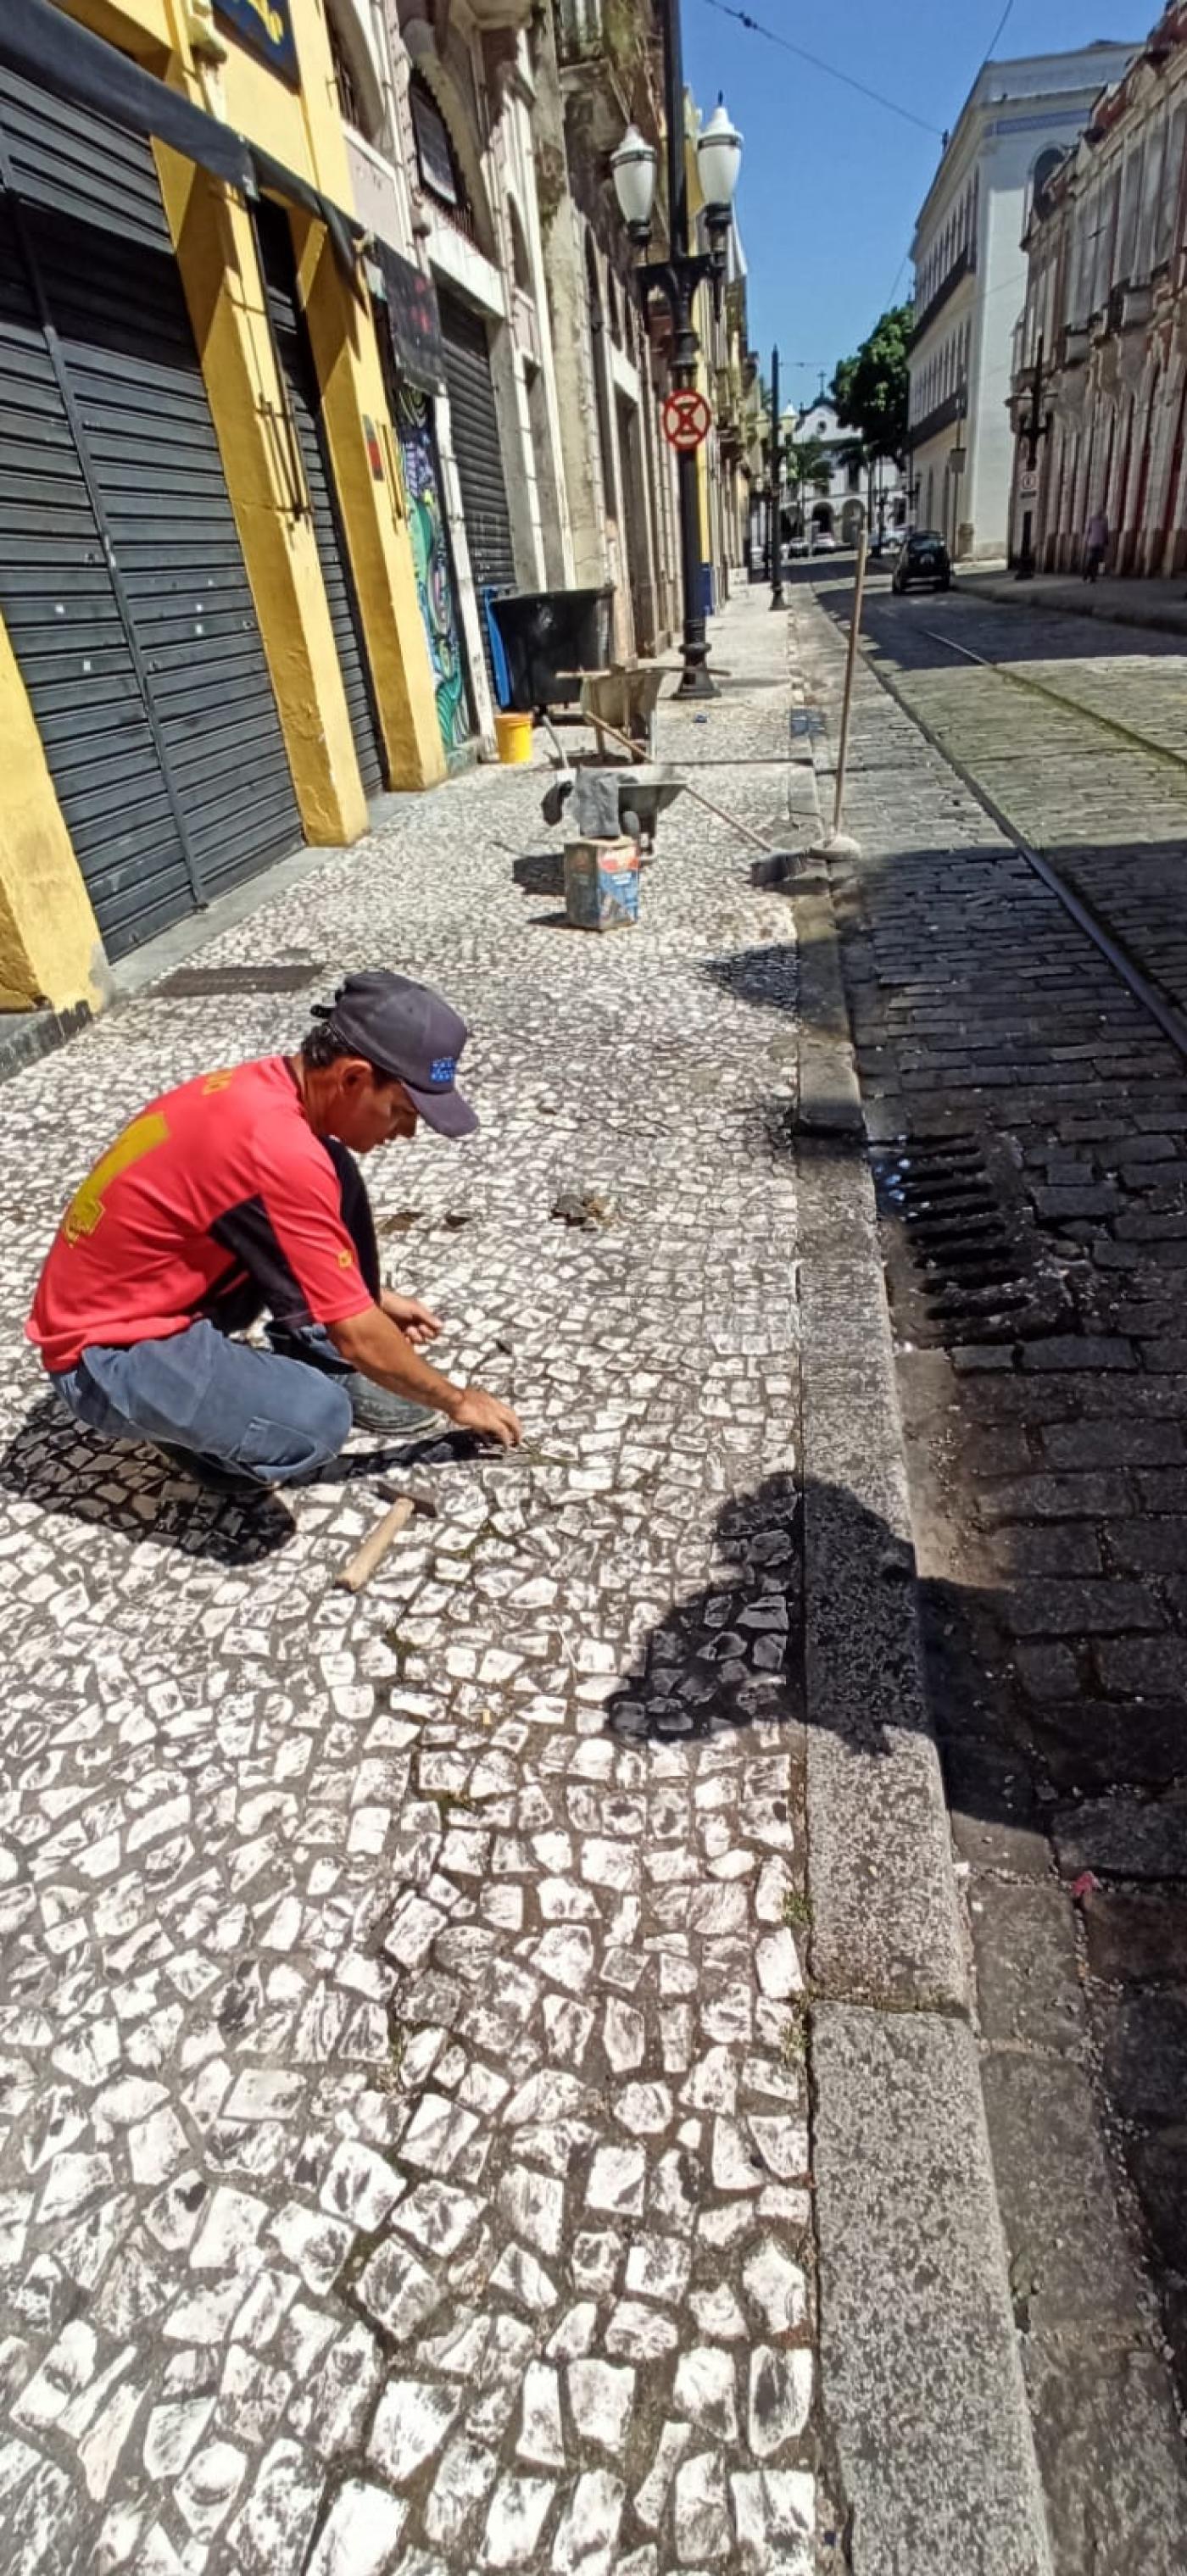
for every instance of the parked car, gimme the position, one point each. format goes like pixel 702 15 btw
pixel 923 558
pixel 823 542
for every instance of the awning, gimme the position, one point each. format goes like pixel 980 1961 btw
pixel 41 44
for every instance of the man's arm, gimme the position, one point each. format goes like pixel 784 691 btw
pixel 374 1345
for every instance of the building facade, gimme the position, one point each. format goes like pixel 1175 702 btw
pixel 831 503
pixel 851 493
pixel 1018 119
pixel 211 646
pixel 439 133
pixel 319 329
pixel 1101 350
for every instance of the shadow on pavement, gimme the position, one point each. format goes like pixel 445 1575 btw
pixel 53 1462
pixel 735 1652
pixel 540 872
pixel 991 628
pixel 1018 1795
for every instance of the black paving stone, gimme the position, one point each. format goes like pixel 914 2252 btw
pixel 1146 2054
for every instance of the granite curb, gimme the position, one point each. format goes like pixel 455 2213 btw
pixel 922 2387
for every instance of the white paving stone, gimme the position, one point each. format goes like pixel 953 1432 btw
pixel 361 2532
pixel 426 1959
pixel 601 2396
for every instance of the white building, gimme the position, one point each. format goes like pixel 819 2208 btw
pixel 850 494
pixel 970 281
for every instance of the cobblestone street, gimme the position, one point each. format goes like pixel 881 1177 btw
pixel 404 2103
pixel 1027 1120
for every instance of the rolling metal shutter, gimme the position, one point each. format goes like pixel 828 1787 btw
pixel 475 425
pixel 291 338
pixel 122 580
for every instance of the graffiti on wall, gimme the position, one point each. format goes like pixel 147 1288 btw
pixel 430 554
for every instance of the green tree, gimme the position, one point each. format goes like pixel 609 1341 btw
pixel 870 389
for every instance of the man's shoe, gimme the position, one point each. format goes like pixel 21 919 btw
pixel 376 1409
pixel 373 1408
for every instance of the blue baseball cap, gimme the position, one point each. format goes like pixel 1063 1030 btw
pixel 409 1031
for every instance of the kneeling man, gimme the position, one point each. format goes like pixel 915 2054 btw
pixel 238 1193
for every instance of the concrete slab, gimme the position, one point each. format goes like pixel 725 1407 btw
pixel 1028 1986
pixel 885 1923
pixel 919 2364
pixel 1112 2460
pixel 1070 2257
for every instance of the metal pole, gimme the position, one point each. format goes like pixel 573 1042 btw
pixel 694 679
pixel 777 598
pixel 850 661
pixel 1034 431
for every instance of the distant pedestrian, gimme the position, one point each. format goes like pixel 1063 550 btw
pixel 1096 543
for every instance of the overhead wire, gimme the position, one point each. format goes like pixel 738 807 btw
pixel 986 57
pixel 725 9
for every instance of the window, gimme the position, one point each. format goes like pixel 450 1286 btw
pixel 440 174
pixel 520 263
pixel 1127 227
pixel 350 100
pixel 1168 203
pixel 1152 183
pixel 1042 175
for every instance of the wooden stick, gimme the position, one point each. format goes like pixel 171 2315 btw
pixel 361 1566
pixel 733 820
pixel 850 660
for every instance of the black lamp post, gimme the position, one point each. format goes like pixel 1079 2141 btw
pixel 719 153
pixel 777 598
pixel 1035 428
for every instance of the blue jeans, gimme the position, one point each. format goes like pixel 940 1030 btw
pixel 277 1415
pixel 249 1411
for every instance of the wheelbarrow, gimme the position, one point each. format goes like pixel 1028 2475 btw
pixel 622 698
pixel 612 803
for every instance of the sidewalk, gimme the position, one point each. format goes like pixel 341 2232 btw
pixel 410 2038
pixel 405 2106
pixel 1159 605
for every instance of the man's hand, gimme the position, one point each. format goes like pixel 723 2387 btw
pixel 488 1415
pixel 380 1344
pixel 418 1321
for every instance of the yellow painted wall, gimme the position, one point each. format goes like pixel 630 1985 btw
pixel 48 938
pixel 353 395
pixel 215 247
pixel 303 129
pixel 50 949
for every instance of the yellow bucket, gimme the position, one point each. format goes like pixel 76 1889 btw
pixel 513 735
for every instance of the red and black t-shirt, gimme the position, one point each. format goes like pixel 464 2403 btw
pixel 222 1180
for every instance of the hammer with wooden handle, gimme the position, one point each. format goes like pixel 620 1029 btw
pixel 361 1566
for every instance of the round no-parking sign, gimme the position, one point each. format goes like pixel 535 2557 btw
pixel 686 421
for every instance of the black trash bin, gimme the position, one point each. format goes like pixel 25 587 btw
pixel 545 632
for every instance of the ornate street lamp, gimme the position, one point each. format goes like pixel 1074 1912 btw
pixel 634 167
pixel 719 159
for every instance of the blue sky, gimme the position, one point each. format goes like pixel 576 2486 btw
pixel 830 182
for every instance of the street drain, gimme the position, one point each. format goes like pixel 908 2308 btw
pixel 974 1272
pixel 194 983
